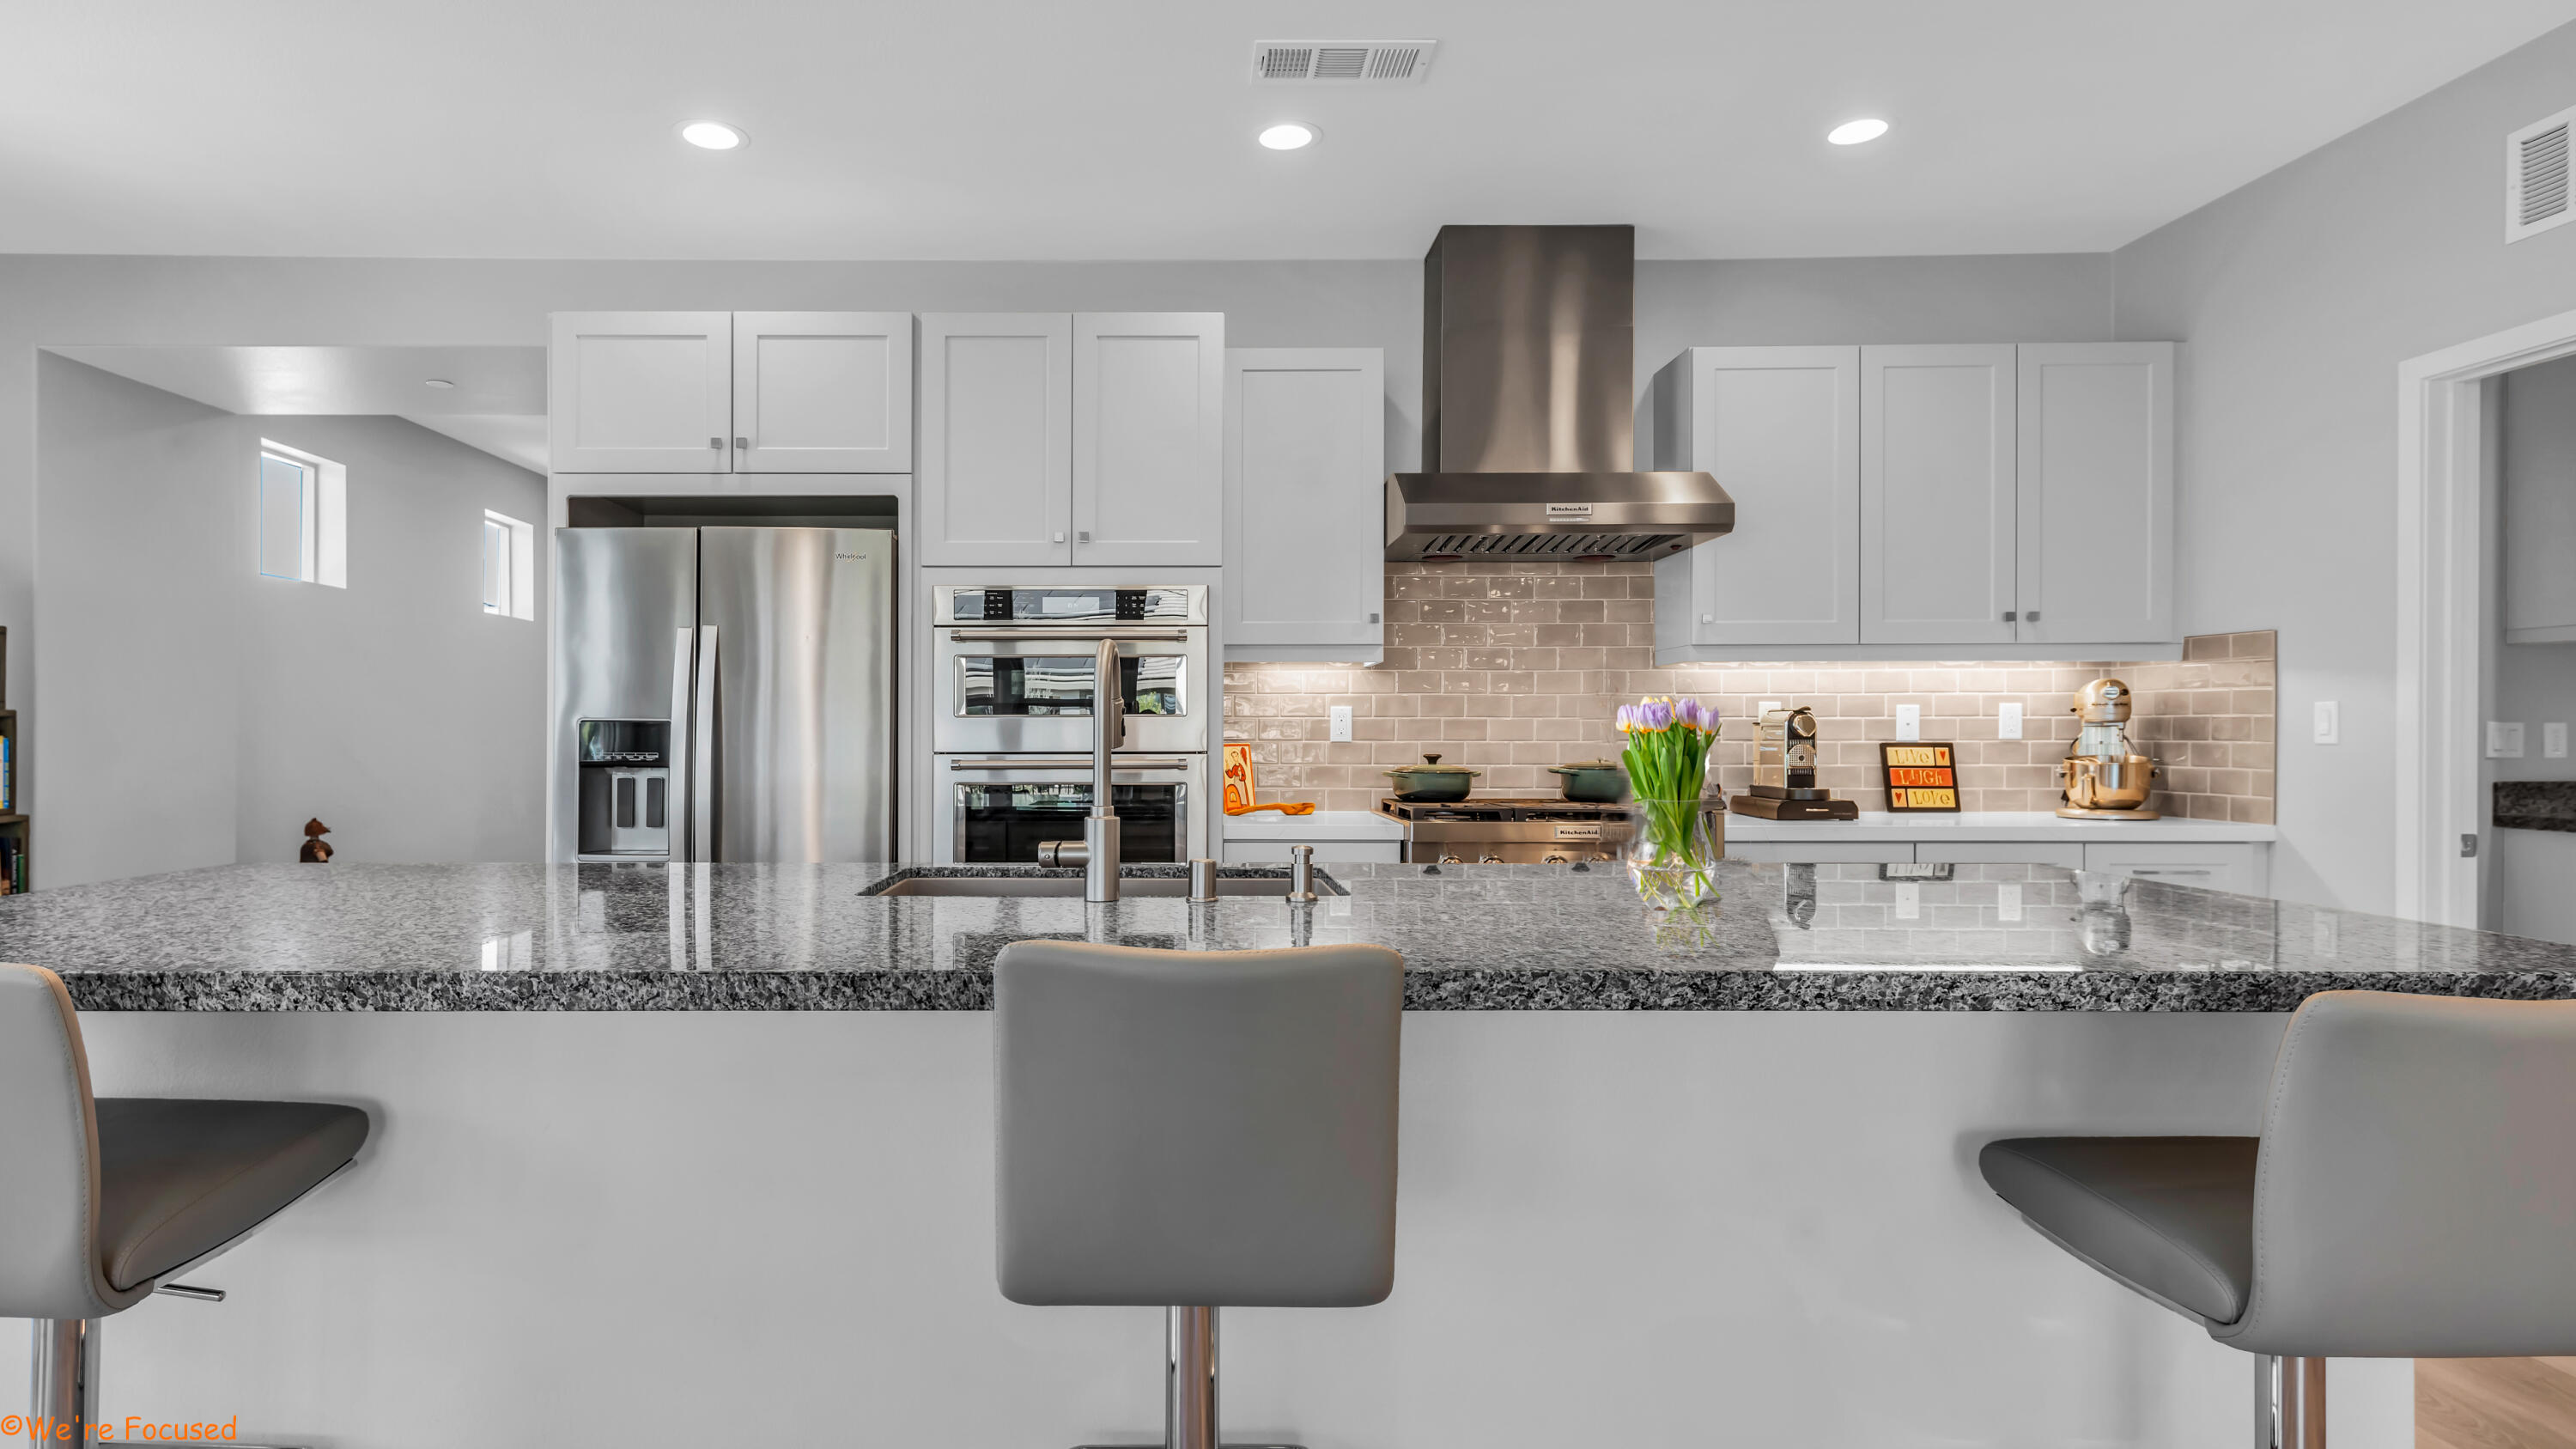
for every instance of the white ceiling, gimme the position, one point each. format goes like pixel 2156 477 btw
pixel 1123 128
pixel 498 402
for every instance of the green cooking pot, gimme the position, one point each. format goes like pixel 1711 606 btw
pixel 1432 780
pixel 1600 781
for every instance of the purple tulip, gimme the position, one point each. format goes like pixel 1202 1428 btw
pixel 1656 714
pixel 1627 719
pixel 1690 714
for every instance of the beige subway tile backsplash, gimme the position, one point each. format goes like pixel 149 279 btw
pixel 1511 668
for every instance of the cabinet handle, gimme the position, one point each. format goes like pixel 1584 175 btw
pixel 2032 616
pixel 2009 616
pixel 1083 536
pixel 1372 618
pixel 741 443
pixel 716 443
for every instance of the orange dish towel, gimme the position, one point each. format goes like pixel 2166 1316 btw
pixel 1238 786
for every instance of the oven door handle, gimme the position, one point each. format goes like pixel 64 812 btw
pixel 1074 636
pixel 1068 762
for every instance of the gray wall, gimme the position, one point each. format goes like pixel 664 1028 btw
pixel 2526 886
pixel 2296 297
pixel 201 713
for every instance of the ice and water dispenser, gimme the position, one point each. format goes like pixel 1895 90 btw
pixel 625 767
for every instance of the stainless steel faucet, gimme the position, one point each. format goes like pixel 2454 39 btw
pixel 1097 851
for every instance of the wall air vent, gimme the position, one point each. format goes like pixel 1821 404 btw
pixel 2535 177
pixel 1342 62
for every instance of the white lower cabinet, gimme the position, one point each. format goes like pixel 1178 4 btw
pixel 2244 869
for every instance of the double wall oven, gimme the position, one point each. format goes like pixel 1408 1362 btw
pixel 1012 725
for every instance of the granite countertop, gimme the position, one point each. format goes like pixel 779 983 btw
pixel 2535 805
pixel 1501 937
pixel 1872 826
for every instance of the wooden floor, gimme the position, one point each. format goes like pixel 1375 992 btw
pixel 2495 1403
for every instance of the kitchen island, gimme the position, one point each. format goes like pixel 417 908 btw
pixel 659 1151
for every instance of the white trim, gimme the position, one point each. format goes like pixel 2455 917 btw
pixel 2440 613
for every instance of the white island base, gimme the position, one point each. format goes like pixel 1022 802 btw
pixel 1633 1230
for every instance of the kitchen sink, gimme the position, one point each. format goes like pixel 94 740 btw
pixel 1070 886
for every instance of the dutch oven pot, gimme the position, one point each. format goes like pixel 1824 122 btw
pixel 1432 780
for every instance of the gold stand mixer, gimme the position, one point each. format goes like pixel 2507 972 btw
pixel 2104 778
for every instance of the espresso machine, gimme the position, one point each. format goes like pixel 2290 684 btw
pixel 2105 778
pixel 1784 773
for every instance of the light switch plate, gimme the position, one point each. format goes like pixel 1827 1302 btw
pixel 2008 901
pixel 1909 721
pixel 2329 726
pixel 2008 721
pixel 2553 740
pixel 2504 739
pixel 1341 723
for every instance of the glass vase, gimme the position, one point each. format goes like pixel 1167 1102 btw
pixel 1673 851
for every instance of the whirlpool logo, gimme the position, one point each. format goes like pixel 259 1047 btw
pixel 838 556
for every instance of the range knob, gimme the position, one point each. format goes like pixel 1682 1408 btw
pixel 1490 860
pixel 1453 860
pixel 1555 859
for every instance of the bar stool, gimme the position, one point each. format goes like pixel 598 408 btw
pixel 2412 1196
pixel 103 1201
pixel 1195 1130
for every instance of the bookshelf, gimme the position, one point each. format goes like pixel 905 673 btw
pixel 15 828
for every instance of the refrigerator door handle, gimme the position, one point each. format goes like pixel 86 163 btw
pixel 677 762
pixel 702 763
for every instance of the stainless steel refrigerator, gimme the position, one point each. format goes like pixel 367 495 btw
pixel 723 694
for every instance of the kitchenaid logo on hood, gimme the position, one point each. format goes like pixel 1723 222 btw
pixel 1569 513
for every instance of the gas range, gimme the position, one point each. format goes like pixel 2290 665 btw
pixel 1507 829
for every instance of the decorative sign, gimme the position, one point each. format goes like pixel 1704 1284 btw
pixel 1920 776
pixel 1238 779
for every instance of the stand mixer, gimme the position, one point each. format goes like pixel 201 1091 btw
pixel 2104 777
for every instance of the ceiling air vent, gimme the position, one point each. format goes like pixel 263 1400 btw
pixel 1342 62
pixel 2535 177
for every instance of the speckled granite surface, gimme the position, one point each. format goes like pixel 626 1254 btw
pixel 2535 804
pixel 797 938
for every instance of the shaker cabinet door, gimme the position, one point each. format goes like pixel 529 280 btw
pixel 1148 438
pixel 996 484
pixel 1937 494
pixel 822 392
pixel 2097 492
pixel 1305 466
pixel 1779 428
pixel 640 392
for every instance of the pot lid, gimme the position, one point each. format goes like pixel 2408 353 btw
pixel 1586 765
pixel 1431 766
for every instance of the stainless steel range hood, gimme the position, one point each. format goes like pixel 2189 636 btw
pixel 1528 421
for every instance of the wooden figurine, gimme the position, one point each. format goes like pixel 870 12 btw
pixel 316 849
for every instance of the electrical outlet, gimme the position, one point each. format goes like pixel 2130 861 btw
pixel 2008 721
pixel 1909 902
pixel 1341 723
pixel 1909 721
pixel 2008 901
pixel 2553 740
pixel 2504 739
pixel 2329 726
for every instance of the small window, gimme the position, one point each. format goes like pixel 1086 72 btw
pixel 303 517
pixel 509 567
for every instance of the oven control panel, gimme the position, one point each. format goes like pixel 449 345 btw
pixel 1072 604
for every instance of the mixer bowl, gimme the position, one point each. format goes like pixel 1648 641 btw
pixel 2108 782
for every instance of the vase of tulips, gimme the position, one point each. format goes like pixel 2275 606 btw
pixel 1672 854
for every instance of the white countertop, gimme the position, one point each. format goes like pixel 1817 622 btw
pixel 1974 825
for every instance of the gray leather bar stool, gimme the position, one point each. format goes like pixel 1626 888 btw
pixel 104 1201
pixel 1196 1130
pixel 2413 1195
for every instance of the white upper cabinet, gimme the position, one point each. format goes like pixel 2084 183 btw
pixel 1937 495
pixel 1305 463
pixel 996 438
pixel 1148 438
pixel 730 392
pixel 640 392
pixel 2096 492
pixel 1779 428
pixel 822 392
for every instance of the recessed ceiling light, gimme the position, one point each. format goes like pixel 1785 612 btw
pixel 442 384
pixel 1852 133
pixel 1287 136
pixel 712 135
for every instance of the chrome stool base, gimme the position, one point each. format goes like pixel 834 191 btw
pixel 1189 1386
